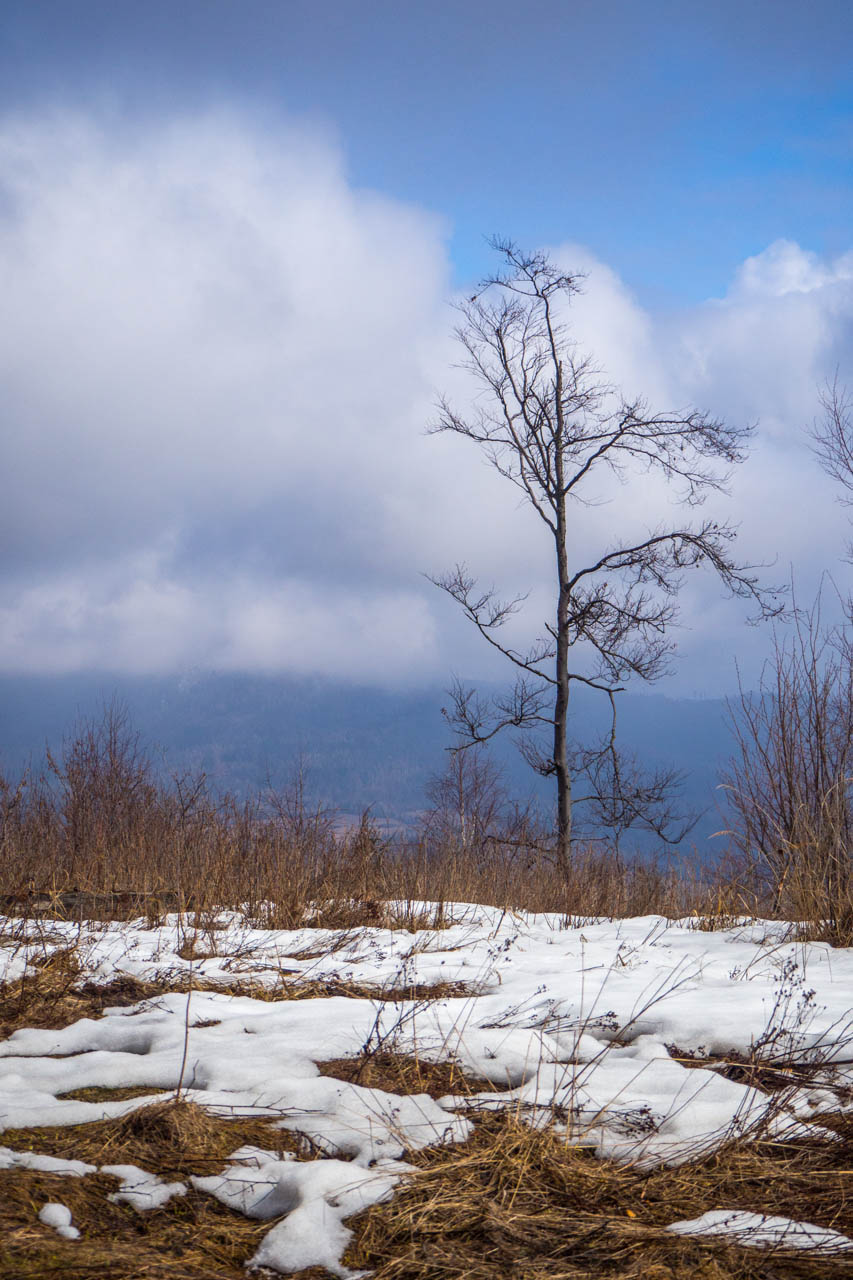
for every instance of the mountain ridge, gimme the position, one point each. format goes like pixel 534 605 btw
pixel 359 746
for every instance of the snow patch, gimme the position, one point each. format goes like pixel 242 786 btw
pixel 607 1030
pixel 43 1164
pixel 140 1189
pixel 315 1195
pixel 763 1231
pixel 58 1216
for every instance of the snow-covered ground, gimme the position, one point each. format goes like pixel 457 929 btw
pixel 578 1026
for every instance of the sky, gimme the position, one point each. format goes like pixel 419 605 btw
pixel 230 238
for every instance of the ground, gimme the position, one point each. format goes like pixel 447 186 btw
pixel 455 1091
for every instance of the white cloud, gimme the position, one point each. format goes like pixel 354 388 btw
pixel 217 362
pixel 155 624
pixel 786 268
pixel 217 353
pixel 610 323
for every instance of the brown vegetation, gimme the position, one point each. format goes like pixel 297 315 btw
pixel 789 780
pixel 98 834
pixel 191 1237
pixel 173 1138
pixel 514 1203
pixel 402 1073
pixel 55 994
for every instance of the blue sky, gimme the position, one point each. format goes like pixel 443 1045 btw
pixel 229 235
pixel 674 139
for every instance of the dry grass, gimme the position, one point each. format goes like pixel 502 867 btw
pixel 102 1093
pixel 755 1071
pixel 404 1073
pixel 510 1204
pixel 171 1138
pixel 320 988
pixel 190 1238
pixel 98 834
pixel 516 1203
pixel 53 995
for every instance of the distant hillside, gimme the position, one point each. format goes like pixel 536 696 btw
pixel 360 746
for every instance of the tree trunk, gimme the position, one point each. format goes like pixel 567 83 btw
pixel 561 703
pixel 561 763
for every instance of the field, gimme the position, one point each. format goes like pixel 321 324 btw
pixel 234 1036
pixel 416 1089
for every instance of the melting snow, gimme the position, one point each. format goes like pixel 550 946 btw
pixel 43 1164
pixel 573 1023
pixel 58 1216
pixel 760 1230
pixel 142 1190
pixel 314 1195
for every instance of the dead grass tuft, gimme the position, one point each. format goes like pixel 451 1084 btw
pixel 403 1073
pixel 51 995
pixel 171 1138
pixel 517 1203
pixel 757 1072
pixel 191 1238
pixel 323 988
pixel 100 1093
pixel 348 914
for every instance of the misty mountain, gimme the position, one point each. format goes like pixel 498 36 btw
pixel 359 747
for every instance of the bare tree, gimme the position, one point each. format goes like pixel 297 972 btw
pixel 548 424
pixel 832 436
pixel 108 788
pixel 832 440
pixel 467 801
pixel 471 809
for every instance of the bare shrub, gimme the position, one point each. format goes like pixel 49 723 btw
pixel 789 782
pixel 100 834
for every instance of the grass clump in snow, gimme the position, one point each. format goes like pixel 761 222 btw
pixel 173 1138
pixel 192 1237
pixel 53 994
pixel 101 1093
pixel 770 1076
pixel 515 1203
pixel 298 988
pixel 405 1073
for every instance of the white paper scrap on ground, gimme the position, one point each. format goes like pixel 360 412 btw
pixel 763 1231
pixel 58 1216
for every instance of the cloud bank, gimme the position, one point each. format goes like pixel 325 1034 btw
pixel 217 360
